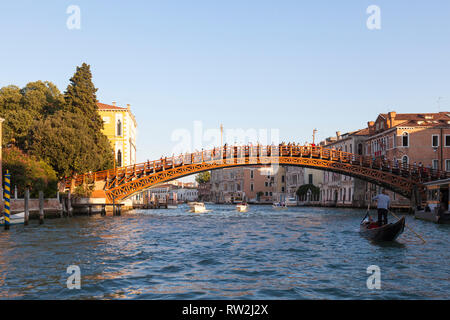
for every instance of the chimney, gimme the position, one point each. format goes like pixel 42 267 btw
pixel 338 135
pixel 114 103
pixel 370 125
pixel 128 106
pixel 391 118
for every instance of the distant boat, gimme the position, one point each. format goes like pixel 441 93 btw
pixel 172 206
pixel 242 207
pixel 17 218
pixel 279 206
pixel 291 202
pixel 197 207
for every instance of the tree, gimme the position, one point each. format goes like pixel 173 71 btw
pixel 65 141
pixel 63 130
pixel 80 97
pixel 29 172
pixel 303 190
pixel 203 177
pixel 21 107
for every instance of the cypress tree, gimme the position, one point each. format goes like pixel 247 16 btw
pixel 81 98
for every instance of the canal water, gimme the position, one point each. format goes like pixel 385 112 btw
pixel 299 253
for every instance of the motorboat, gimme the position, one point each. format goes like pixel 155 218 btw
pixel 279 206
pixel 17 218
pixel 291 202
pixel 197 207
pixel 242 207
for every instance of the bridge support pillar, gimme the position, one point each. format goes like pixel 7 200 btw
pixel 415 199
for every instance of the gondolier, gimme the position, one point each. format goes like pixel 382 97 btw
pixel 383 203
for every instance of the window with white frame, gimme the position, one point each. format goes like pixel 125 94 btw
pixel 435 164
pixel 435 141
pixel 447 140
pixel 447 165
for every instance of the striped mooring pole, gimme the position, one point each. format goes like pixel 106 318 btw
pixel 7 198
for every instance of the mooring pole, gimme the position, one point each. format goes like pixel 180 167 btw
pixel 69 205
pixel 25 206
pixel 7 199
pixel 41 207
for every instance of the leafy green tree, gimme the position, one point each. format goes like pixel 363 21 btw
pixel 62 130
pixel 303 190
pixel 203 177
pixel 42 98
pixel 21 107
pixel 29 172
pixel 65 141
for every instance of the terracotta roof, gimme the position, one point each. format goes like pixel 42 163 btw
pixel 103 106
pixel 423 116
pixel 362 132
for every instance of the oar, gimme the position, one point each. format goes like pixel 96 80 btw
pixel 409 228
pixel 367 212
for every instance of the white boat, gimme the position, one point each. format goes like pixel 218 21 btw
pixel 197 207
pixel 172 206
pixel 242 207
pixel 17 218
pixel 291 202
pixel 279 206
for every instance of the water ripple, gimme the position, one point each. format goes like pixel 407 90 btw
pixel 301 253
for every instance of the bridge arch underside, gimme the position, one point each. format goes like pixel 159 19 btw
pixel 388 180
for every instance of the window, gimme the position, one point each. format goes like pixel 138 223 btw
pixel 266 184
pixel 360 149
pixel 447 165
pixel 405 160
pixel 119 127
pixel 405 139
pixel 251 187
pixel 435 164
pixel 119 158
pixel 310 179
pixel 394 142
pixel 282 179
pixel 435 140
pixel 251 174
pixel 447 140
pixel 282 189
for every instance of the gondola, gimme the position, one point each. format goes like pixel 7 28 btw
pixel 387 232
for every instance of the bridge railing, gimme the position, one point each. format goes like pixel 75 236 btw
pixel 240 153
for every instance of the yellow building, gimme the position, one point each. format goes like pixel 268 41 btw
pixel 119 125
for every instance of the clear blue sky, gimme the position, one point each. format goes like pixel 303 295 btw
pixel 292 65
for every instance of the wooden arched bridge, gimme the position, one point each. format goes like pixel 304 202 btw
pixel 121 183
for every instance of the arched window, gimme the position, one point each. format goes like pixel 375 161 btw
pixel 119 158
pixel 119 127
pixel 405 160
pixel 405 139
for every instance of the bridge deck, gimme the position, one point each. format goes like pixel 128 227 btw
pixel 260 155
